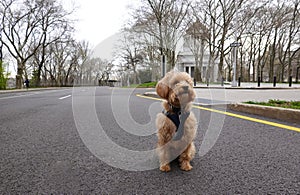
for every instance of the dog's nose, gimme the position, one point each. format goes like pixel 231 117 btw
pixel 185 88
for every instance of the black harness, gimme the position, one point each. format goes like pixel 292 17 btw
pixel 178 118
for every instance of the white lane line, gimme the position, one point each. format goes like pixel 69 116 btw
pixel 65 97
pixel 29 93
pixel 16 96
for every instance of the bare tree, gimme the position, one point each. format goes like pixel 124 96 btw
pixel 102 70
pixel 266 35
pixel 59 55
pixel 82 53
pixel 31 25
pixel 132 53
pixel 145 37
pixel 244 30
pixel 21 29
pixel 287 51
pixel 196 40
pixel 228 21
pixel 164 20
pixel 55 27
pixel 207 12
pixel 97 64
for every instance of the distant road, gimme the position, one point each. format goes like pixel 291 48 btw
pixel 42 152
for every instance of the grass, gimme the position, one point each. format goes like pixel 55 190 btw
pixel 144 85
pixel 278 103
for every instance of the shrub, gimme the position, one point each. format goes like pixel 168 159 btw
pixel 3 77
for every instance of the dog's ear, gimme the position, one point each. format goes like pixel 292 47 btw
pixel 162 89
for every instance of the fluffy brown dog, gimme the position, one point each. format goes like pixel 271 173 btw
pixel 177 124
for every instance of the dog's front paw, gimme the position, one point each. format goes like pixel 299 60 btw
pixel 186 166
pixel 165 168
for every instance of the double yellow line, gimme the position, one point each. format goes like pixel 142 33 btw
pixel 291 128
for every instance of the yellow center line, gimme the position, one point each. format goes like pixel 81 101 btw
pixel 296 129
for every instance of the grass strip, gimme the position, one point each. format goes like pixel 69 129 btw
pixel 278 103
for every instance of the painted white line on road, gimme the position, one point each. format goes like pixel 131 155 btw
pixel 16 96
pixel 65 97
pixel 29 93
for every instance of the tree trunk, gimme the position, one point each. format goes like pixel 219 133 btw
pixel 20 72
pixel 272 56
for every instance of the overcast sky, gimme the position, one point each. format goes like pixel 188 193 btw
pixel 99 19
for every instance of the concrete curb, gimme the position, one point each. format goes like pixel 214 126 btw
pixel 283 114
pixel 30 90
pixel 151 94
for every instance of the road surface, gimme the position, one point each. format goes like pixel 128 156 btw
pixel 45 137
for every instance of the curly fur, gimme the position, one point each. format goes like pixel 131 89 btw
pixel 177 89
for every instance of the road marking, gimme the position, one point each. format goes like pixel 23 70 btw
pixel 17 96
pixel 291 128
pixel 149 97
pixel 29 93
pixel 65 97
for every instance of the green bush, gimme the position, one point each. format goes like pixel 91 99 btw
pixel 34 79
pixel 3 77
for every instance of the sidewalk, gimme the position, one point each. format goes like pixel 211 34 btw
pixel 244 95
pixel 251 86
pixel 29 89
pixel 217 94
pixel 233 98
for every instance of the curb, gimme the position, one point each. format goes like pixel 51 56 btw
pixel 283 114
pixel 151 94
pixel 29 90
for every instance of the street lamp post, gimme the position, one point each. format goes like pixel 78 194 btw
pixel 234 67
pixel 234 45
pixel 297 73
pixel 163 65
pixel 1 44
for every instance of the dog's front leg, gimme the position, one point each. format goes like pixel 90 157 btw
pixel 163 149
pixel 164 160
pixel 164 155
pixel 186 157
pixel 165 133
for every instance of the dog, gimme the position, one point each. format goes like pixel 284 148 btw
pixel 176 125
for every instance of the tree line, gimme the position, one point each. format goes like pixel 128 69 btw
pixel 266 34
pixel 39 36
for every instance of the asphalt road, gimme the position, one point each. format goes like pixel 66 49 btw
pixel 48 144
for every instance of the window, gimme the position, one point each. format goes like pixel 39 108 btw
pixel 187 69
pixel 192 72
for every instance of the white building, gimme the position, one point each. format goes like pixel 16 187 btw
pixel 195 45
